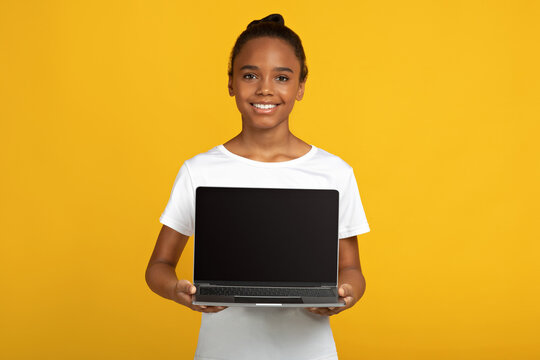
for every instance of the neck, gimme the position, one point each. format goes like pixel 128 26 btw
pixel 266 140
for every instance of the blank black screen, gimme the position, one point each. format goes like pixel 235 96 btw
pixel 265 234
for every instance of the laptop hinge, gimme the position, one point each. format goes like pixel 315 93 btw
pixel 254 286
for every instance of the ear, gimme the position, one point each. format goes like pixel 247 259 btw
pixel 301 88
pixel 231 91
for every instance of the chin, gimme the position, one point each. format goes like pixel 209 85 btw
pixel 263 123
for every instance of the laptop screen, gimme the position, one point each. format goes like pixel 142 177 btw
pixel 266 235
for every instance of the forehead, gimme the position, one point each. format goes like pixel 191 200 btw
pixel 267 51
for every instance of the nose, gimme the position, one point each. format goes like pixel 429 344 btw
pixel 265 87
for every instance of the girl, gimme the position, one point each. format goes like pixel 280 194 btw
pixel 267 74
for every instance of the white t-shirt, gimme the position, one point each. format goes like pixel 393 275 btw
pixel 265 333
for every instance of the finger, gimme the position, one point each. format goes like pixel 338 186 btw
pixel 333 310
pixel 325 312
pixel 197 307
pixel 214 309
pixel 348 300
pixel 319 310
pixel 208 308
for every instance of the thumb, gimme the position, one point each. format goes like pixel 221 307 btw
pixel 345 290
pixel 186 287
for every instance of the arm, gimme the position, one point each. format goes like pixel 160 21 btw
pixel 351 278
pixel 161 275
pixel 351 283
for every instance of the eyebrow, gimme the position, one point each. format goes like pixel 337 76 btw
pixel 279 68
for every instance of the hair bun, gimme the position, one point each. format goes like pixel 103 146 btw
pixel 276 18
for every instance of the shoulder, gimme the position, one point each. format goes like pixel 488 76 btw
pixel 204 159
pixel 332 161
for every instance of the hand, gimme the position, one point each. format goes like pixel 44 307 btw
pixel 183 294
pixel 345 292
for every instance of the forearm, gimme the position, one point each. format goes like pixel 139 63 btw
pixel 353 276
pixel 162 279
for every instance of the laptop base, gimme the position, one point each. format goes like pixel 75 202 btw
pixel 252 301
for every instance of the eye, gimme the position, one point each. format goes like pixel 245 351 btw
pixel 249 76
pixel 282 78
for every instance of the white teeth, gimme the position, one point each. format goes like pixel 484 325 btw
pixel 262 106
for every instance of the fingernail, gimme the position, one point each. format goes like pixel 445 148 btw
pixel 204 307
pixel 331 308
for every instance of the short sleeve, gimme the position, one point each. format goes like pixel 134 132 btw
pixel 352 219
pixel 179 213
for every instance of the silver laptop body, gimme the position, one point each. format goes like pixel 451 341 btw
pixel 273 247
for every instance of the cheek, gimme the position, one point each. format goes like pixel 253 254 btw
pixel 244 92
pixel 242 96
pixel 288 92
pixel 289 96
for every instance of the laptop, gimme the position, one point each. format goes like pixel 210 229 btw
pixel 266 247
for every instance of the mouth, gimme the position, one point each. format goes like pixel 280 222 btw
pixel 264 106
pixel 261 108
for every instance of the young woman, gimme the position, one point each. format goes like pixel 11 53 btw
pixel 267 74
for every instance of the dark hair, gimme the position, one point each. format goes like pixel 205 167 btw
pixel 272 26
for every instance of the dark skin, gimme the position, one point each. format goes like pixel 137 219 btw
pixel 266 71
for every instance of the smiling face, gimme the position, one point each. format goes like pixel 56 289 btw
pixel 265 82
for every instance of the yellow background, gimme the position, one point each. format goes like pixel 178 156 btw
pixel 435 104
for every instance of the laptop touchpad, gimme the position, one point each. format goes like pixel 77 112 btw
pixel 269 300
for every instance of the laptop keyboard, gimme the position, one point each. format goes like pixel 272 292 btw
pixel 271 291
